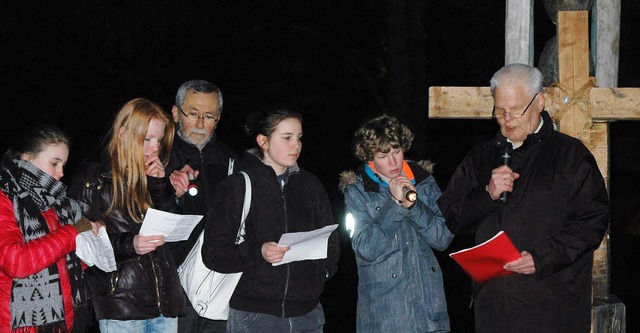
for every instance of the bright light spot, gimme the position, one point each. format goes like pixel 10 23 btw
pixel 350 223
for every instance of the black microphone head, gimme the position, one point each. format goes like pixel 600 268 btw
pixel 504 197
pixel 505 153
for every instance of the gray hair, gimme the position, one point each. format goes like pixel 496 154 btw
pixel 198 86
pixel 530 76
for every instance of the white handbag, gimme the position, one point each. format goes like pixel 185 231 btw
pixel 208 291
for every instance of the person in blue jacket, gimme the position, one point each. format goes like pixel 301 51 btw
pixel 391 212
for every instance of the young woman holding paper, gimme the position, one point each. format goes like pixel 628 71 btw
pixel 144 293
pixel 395 225
pixel 38 228
pixel 285 198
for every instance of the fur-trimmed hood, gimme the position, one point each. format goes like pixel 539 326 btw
pixel 350 177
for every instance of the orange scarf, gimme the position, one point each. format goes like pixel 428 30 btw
pixel 406 171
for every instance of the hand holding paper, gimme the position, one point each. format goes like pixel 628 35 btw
pixel 306 245
pixel 273 253
pixel 522 265
pixel 96 250
pixel 486 261
pixel 174 227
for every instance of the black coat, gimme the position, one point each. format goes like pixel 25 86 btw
pixel 558 212
pixel 212 162
pixel 144 286
pixel 301 204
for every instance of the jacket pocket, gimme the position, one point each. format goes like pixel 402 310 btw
pixel 386 268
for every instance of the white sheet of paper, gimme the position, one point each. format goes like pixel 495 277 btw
pixel 306 245
pixel 96 250
pixel 174 227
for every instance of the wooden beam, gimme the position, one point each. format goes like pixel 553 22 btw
pixel 460 102
pixel 476 102
pixel 606 103
pixel 615 103
pixel 606 44
pixel 518 36
pixel 573 67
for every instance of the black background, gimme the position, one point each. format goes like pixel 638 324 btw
pixel 75 63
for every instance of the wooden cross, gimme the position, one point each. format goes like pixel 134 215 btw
pixel 578 109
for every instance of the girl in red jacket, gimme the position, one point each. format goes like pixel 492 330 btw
pixel 42 288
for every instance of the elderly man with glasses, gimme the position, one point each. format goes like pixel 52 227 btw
pixel 556 214
pixel 197 155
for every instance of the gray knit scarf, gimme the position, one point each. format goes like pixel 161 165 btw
pixel 36 301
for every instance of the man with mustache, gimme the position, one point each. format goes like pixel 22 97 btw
pixel 197 154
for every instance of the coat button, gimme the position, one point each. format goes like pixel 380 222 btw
pixel 378 208
pixel 394 275
pixel 433 269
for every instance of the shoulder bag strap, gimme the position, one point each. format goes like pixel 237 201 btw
pixel 245 207
pixel 230 168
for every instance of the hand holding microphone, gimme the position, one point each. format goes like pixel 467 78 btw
pixel 505 156
pixel 503 177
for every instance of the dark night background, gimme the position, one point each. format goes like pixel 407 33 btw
pixel 75 63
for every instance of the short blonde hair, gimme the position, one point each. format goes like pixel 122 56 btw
pixel 380 135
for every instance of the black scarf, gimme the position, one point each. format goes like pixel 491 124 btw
pixel 37 300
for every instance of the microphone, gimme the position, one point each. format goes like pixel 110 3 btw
pixel 192 189
pixel 505 155
pixel 409 194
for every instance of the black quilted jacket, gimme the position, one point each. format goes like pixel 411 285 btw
pixel 144 286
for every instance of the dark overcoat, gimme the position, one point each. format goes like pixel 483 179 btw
pixel 558 212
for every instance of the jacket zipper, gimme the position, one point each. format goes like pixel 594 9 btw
pixel 114 282
pixel 155 276
pixel 286 228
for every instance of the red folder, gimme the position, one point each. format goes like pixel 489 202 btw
pixel 486 261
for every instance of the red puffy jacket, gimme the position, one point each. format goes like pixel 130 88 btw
pixel 19 259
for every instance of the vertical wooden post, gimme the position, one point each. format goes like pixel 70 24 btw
pixel 573 68
pixel 573 72
pixel 606 44
pixel 518 37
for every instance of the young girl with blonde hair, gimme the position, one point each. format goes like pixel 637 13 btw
pixel 144 294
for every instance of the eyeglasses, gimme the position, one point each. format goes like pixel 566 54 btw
pixel 499 114
pixel 192 116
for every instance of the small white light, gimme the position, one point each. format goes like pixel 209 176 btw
pixel 350 223
pixel 193 191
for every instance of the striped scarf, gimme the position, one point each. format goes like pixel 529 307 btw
pixel 37 300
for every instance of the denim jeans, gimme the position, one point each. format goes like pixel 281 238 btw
pixel 155 325
pixel 252 322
